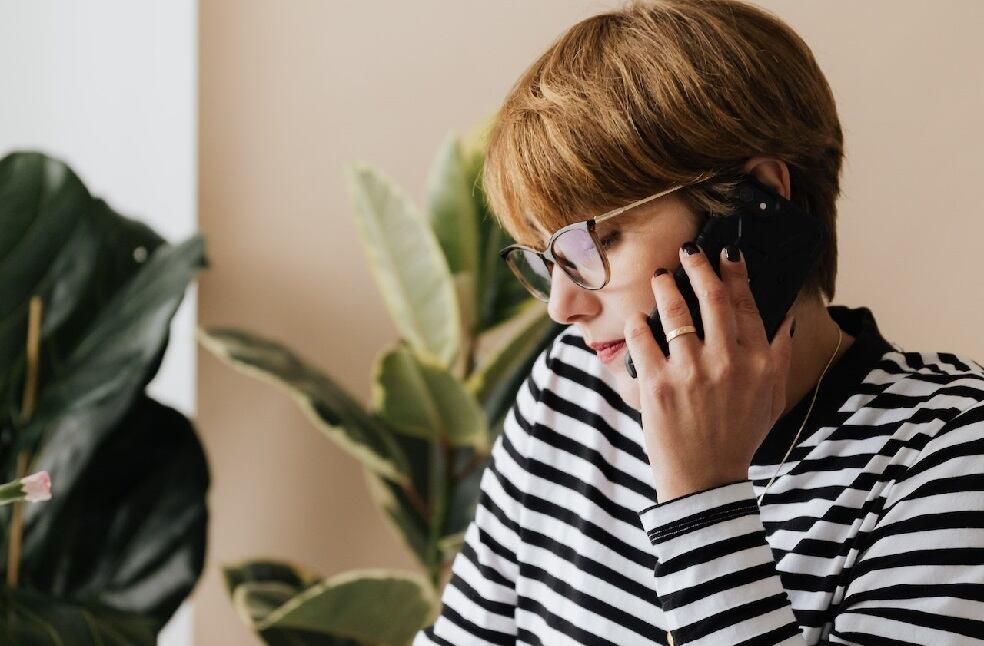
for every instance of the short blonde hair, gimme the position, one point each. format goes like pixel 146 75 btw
pixel 631 101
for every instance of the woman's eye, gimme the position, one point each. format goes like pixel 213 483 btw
pixel 609 240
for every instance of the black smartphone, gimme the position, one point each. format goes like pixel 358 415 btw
pixel 780 244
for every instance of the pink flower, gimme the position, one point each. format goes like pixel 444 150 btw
pixel 37 486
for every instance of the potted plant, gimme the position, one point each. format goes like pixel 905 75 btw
pixel 438 403
pixel 86 300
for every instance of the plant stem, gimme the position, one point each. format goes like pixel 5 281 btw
pixel 470 361
pixel 477 458
pixel 418 503
pixel 470 355
pixel 33 351
pixel 440 482
pixel 16 529
pixel 27 411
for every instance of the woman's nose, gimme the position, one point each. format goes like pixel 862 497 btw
pixel 569 302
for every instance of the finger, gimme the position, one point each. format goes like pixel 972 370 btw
pixel 674 313
pixel 751 328
pixel 716 310
pixel 647 357
pixel 782 352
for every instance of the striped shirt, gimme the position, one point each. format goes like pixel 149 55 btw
pixel 873 533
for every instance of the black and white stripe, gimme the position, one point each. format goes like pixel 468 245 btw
pixel 872 534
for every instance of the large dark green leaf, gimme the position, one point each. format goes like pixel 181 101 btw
pixel 41 228
pixel 28 618
pixel 125 530
pixel 124 246
pixel 126 526
pixel 114 352
pixel 336 413
pixel 58 243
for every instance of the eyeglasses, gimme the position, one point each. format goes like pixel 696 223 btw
pixel 578 250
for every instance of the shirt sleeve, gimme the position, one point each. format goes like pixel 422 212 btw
pixel 917 578
pixel 479 601
pixel 921 577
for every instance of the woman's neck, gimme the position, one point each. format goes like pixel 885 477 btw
pixel 813 345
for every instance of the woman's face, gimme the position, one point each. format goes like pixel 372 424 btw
pixel 637 243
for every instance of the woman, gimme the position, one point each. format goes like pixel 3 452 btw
pixel 821 487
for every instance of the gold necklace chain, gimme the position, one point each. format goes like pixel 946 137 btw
pixel 840 336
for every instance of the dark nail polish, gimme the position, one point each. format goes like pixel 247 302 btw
pixel 792 328
pixel 734 254
pixel 690 248
pixel 660 272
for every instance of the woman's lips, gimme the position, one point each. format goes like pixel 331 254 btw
pixel 609 352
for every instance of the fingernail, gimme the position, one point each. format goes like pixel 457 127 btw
pixel 734 254
pixel 690 248
pixel 660 272
pixel 792 328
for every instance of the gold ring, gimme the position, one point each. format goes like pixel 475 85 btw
pixel 674 333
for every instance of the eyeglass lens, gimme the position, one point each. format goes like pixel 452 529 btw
pixel 577 254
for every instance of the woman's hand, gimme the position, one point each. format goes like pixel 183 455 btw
pixel 707 407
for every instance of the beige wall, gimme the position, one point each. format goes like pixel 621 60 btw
pixel 290 91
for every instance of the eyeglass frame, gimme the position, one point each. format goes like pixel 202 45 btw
pixel 589 225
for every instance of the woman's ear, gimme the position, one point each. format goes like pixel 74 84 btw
pixel 771 171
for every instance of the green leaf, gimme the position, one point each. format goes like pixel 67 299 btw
pixel 497 380
pixel 463 496
pixel 126 525
pixel 58 243
pixel 371 606
pixel 499 296
pixel 41 204
pixel 495 383
pixel 29 618
pixel 453 212
pixel 339 416
pixel 257 599
pixel 267 571
pixel 42 238
pixel 124 246
pixel 452 208
pixel 122 542
pixel 422 399
pixel 257 588
pixel 114 353
pixel 285 637
pixel 406 521
pixel 408 265
pixel 464 286
pixel 511 355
